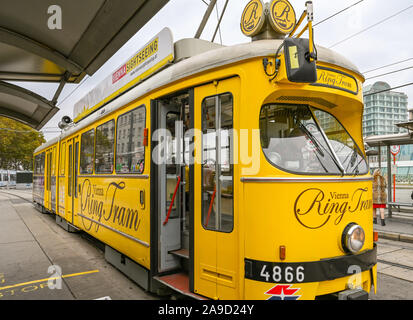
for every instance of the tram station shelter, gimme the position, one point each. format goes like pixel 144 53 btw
pixel 60 41
pixel 387 141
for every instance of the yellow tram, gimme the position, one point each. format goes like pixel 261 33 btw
pixel 223 172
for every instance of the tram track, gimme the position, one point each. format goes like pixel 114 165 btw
pixel 15 195
pixel 395 275
pixel 395 264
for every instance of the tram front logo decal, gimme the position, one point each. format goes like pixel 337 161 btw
pixel 314 208
pixel 283 292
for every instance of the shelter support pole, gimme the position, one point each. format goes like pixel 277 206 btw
pixel 389 181
pixel 62 83
pixel 379 159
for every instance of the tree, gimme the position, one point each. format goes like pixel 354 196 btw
pixel 17 144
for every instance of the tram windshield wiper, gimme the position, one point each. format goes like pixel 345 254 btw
pixel 356 169
pixel 317 145
pixel 311 137
pixel 352 161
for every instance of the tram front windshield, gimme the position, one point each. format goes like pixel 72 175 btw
pixel 304 140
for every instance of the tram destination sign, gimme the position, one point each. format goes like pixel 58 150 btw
pixel 327 77
pixel 154 55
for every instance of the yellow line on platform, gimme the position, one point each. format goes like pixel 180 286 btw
pixel 47 279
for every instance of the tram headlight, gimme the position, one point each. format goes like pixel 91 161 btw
pixel 353 238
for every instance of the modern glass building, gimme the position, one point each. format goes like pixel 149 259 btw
pixel 383 110
pixel 381 113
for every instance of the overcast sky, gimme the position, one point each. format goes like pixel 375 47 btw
pixel 383 44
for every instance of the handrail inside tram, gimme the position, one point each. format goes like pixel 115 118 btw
pixel 210 208
pixel 172 202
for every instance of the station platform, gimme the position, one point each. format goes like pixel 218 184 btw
pixel 399 227
pixel 34 251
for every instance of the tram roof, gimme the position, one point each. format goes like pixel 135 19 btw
pixel 33 48
pixel 209 57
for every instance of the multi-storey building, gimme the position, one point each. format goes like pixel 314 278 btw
pixel 383 110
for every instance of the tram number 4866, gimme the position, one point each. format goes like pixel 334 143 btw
pixel 282 275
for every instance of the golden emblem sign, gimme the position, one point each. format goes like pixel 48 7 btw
pixel 252 18
pixel 282 16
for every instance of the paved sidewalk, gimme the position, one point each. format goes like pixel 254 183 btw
pixel 398 227
pixel 34 250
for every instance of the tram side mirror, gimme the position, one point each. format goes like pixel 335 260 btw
pixel 299 67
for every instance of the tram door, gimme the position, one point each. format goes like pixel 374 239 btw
pixel 47 181
pixel 52 179
pixel 216 261
pixel 62 173
pixel 72 160
pixel 173 235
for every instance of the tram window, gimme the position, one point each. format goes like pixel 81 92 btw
pixel 49 170
pixel 39 163
pixel 217 166
pixel 105 139
pixel 130 151
pixel 87 152
pixel 300 139
pixel 76 166
pixel 70 171
pixel 35 165
pixel 226 167
pixel 62 159
pixel 53 162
